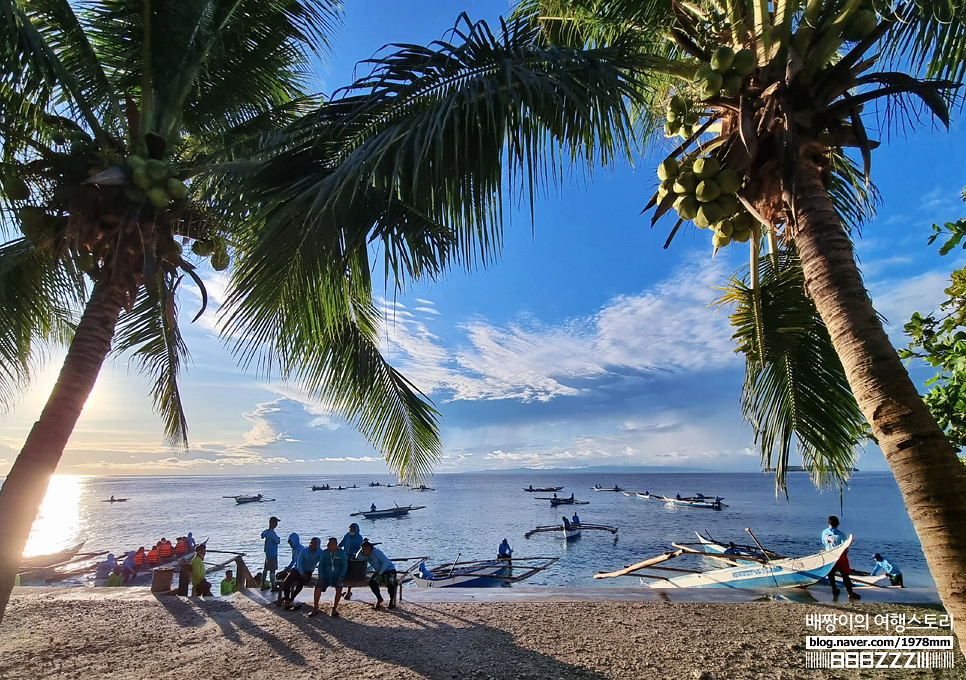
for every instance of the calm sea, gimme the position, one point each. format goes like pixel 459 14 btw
pixel 469 514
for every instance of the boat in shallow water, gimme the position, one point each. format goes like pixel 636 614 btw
pixel 788 572
pixel 480 573
pixel 570 530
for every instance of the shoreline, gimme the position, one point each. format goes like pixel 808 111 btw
pixel 531 633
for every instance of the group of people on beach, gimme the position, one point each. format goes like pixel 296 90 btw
pixel 113 574
pixel 330 564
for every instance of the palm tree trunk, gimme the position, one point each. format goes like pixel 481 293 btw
pixel 25 486
pixel 930 476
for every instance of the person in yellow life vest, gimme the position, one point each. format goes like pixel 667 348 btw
pixel 228 585
pixel 199 585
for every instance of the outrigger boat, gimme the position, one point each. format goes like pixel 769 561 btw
pixel 571 530
pixel 788 572
pixel 250 499
pixel 115 500
pixel 598 487
pixel 144 574
pixel 480 573
pixel 543 489
pixel 421 487
pixel 51 560
pixel 861 578
pixel 706 503
pixel 324 487
pixel 397 511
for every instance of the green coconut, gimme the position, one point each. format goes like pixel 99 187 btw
pixel 686 131
pixel 731 85
pixel 671 128
pixel 729 202
pixel 729 180
pixel 741 236
pixel 156 169
pixel 140 178
pixel 725 227
pixel 678 104
pixel 860 25
pixel 706 167
pixel 720 240
pixel 744 63
pixel 133 161
pixel 203 248
pixel 158 197
pixel 220 260
pixel 745 221
pixel 84 261
pixel 15 188
pixel 707 191
pixel 31 221
pixel 687 207
pixel 685 183
pixel 710 212
pixel 722 58
pixel 668 169
pixel 176 188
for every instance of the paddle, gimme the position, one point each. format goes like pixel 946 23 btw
pixel 453 568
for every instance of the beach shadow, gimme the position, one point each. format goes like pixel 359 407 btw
pixel 481 646
pixel 181 611
pixel 232 621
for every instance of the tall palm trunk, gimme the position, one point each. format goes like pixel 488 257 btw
pixel 25 486
pixel 930 477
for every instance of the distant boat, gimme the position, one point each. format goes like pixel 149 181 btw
pixel 598 487
pixel 376 484
pixel 699 501
pixel 570 530
pixel 324 487
pixel 544 489
pixel 114 500
pixel 421 487
pixel 397 511
pixel 250 499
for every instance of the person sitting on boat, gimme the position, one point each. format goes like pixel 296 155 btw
pixel 426 573
pixel 301 574
pixel 112 498
pixel 128 567
pixel 189 541
pixel 887 568
pixel 677 496
pixel 372 508
pixel 555 494
pixel 732 549
pixel 180 546
pixel 832 537
pixel 165 550
pixel 571 496
pixel 531 489
pixel 567 524
pixel 351 543
pixel 504 552
pixel 106 568
pixel 384 573
pixel 228 584
pixel 332 567
pixel 140 557
pixel 271 555
pixel 575 519
pixel 616 488
pixel 199 584
pixel 154 553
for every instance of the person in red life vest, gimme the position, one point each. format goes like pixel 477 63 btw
pixel 140 557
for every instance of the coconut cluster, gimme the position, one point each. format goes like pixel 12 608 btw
pixel 216 250
pixel 725 72
pixel 153 180
pixel 681 117
pixel 706 194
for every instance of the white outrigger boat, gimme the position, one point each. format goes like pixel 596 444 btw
pixel 752 572
pixel 480 573
pixel 571 530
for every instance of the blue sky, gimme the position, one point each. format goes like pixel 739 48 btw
pixel 587 344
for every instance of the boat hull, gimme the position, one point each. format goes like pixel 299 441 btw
pixel 790 572
pixel 483 576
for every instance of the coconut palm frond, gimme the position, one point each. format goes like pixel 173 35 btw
pixel 854 199
pixel 150 333
pixel 795 393
pixel 39 307
pixel 929 35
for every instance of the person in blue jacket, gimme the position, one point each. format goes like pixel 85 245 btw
pixel 306 562
pixel 271 555
pixel 332 568
pixel 575 519
pixel 504 552
pixel 384 573
pixel 888 568
pixel 832 537
pixel 297 547
pixel 351 543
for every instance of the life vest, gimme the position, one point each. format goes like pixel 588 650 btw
pixel 153 555
pixel 182 546
pixel 140 558
pixel 165 550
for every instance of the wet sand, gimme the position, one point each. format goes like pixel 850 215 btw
pixel 466 635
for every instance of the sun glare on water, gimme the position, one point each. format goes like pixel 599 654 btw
pixel 58 522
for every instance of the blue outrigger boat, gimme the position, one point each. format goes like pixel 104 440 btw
pixel 788 572
pixel 480 573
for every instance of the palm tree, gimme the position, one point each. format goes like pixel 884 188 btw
pixel 119 121
pixel 768 97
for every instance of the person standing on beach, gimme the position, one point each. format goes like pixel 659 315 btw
pixel 832 537
pixel 351 543
pixel 385 572
pixel 271 555
pixel 332 568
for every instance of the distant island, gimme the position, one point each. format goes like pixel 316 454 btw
pixel 800 468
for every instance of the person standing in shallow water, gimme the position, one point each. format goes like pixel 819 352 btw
pixel 832 537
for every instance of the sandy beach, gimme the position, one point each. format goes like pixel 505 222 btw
pixel 88 632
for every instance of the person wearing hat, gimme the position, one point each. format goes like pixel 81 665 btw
pixel 271 555
pixel 384 572
pixel 889 569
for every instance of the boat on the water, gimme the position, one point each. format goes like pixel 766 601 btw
pixel 145 573
pixel 376 484
pixel 480 573
pixel 598 487
pixel 567 501
pixel 115 500
pixel 397 511
pixel 788 572
pixel 323 487
pixel 543 489
pixel 706 503
pixel 421 487
pixel 570 530
pixel 51 560
pixel 259 498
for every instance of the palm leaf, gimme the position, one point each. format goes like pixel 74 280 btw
pixel 795 392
